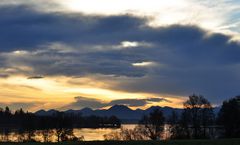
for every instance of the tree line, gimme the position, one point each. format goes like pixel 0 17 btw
pixel 197 121
pixel 28 125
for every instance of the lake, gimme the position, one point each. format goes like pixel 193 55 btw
pixel 89 134
pixel 97 134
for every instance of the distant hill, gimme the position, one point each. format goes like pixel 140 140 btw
pixel 124 113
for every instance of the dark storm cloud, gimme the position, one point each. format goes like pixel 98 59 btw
pixel 82 102
pixel 35 77
pixel 137 102
pixel 189 59
pixel 23 27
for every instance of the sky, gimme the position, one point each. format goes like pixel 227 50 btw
pixel 58 54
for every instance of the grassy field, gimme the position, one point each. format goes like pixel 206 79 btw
pixel 174 142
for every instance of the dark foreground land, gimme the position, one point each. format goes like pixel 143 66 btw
pixel 174 142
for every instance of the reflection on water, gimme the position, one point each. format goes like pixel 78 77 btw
pixel 97 134
pixel 89 134
pixel 93 134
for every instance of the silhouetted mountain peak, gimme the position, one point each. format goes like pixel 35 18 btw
pixel 40 111
pixel 52 111
pixel 153 108
pixel 46 113
pixel 121 111
pixel 86 109
pixel 71 111
pixel 139 109
pixel 119 108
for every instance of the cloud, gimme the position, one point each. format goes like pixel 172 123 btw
pixel 36 77
pixel 144 64
pixel 187 59
pixel 137 102
pixel 206 14
pixel 30 28
pixel 82 102
pixel 46 6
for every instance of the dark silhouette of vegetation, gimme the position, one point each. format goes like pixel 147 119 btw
pixel 229 117
pixel 177 129
pixel 150 127
pixel 197 121
pixel 198 115
pixel 28 125
pixel 47 135
pixel 126 134
pixel 153 124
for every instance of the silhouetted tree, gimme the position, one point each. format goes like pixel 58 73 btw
pixel 126 134
pixel 6 134
pixel 20 135
pixel 152 125
pixel 173 118
pixel 229 117
pixel 67 135
pixel 7 111
pixel 198 114
pixel 174 128
pixel 179 128
pixel 47 134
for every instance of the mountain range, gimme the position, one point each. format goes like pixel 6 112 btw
pixel 124 113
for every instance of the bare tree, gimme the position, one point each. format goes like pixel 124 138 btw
pixel 152 125
pixel 126 134
pixel 66 134
pixel 47 134
pixel 198 114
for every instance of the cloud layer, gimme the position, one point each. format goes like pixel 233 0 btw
pixel 82 102
pixel 134 57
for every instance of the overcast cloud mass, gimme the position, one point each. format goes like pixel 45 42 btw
pixel 127 54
